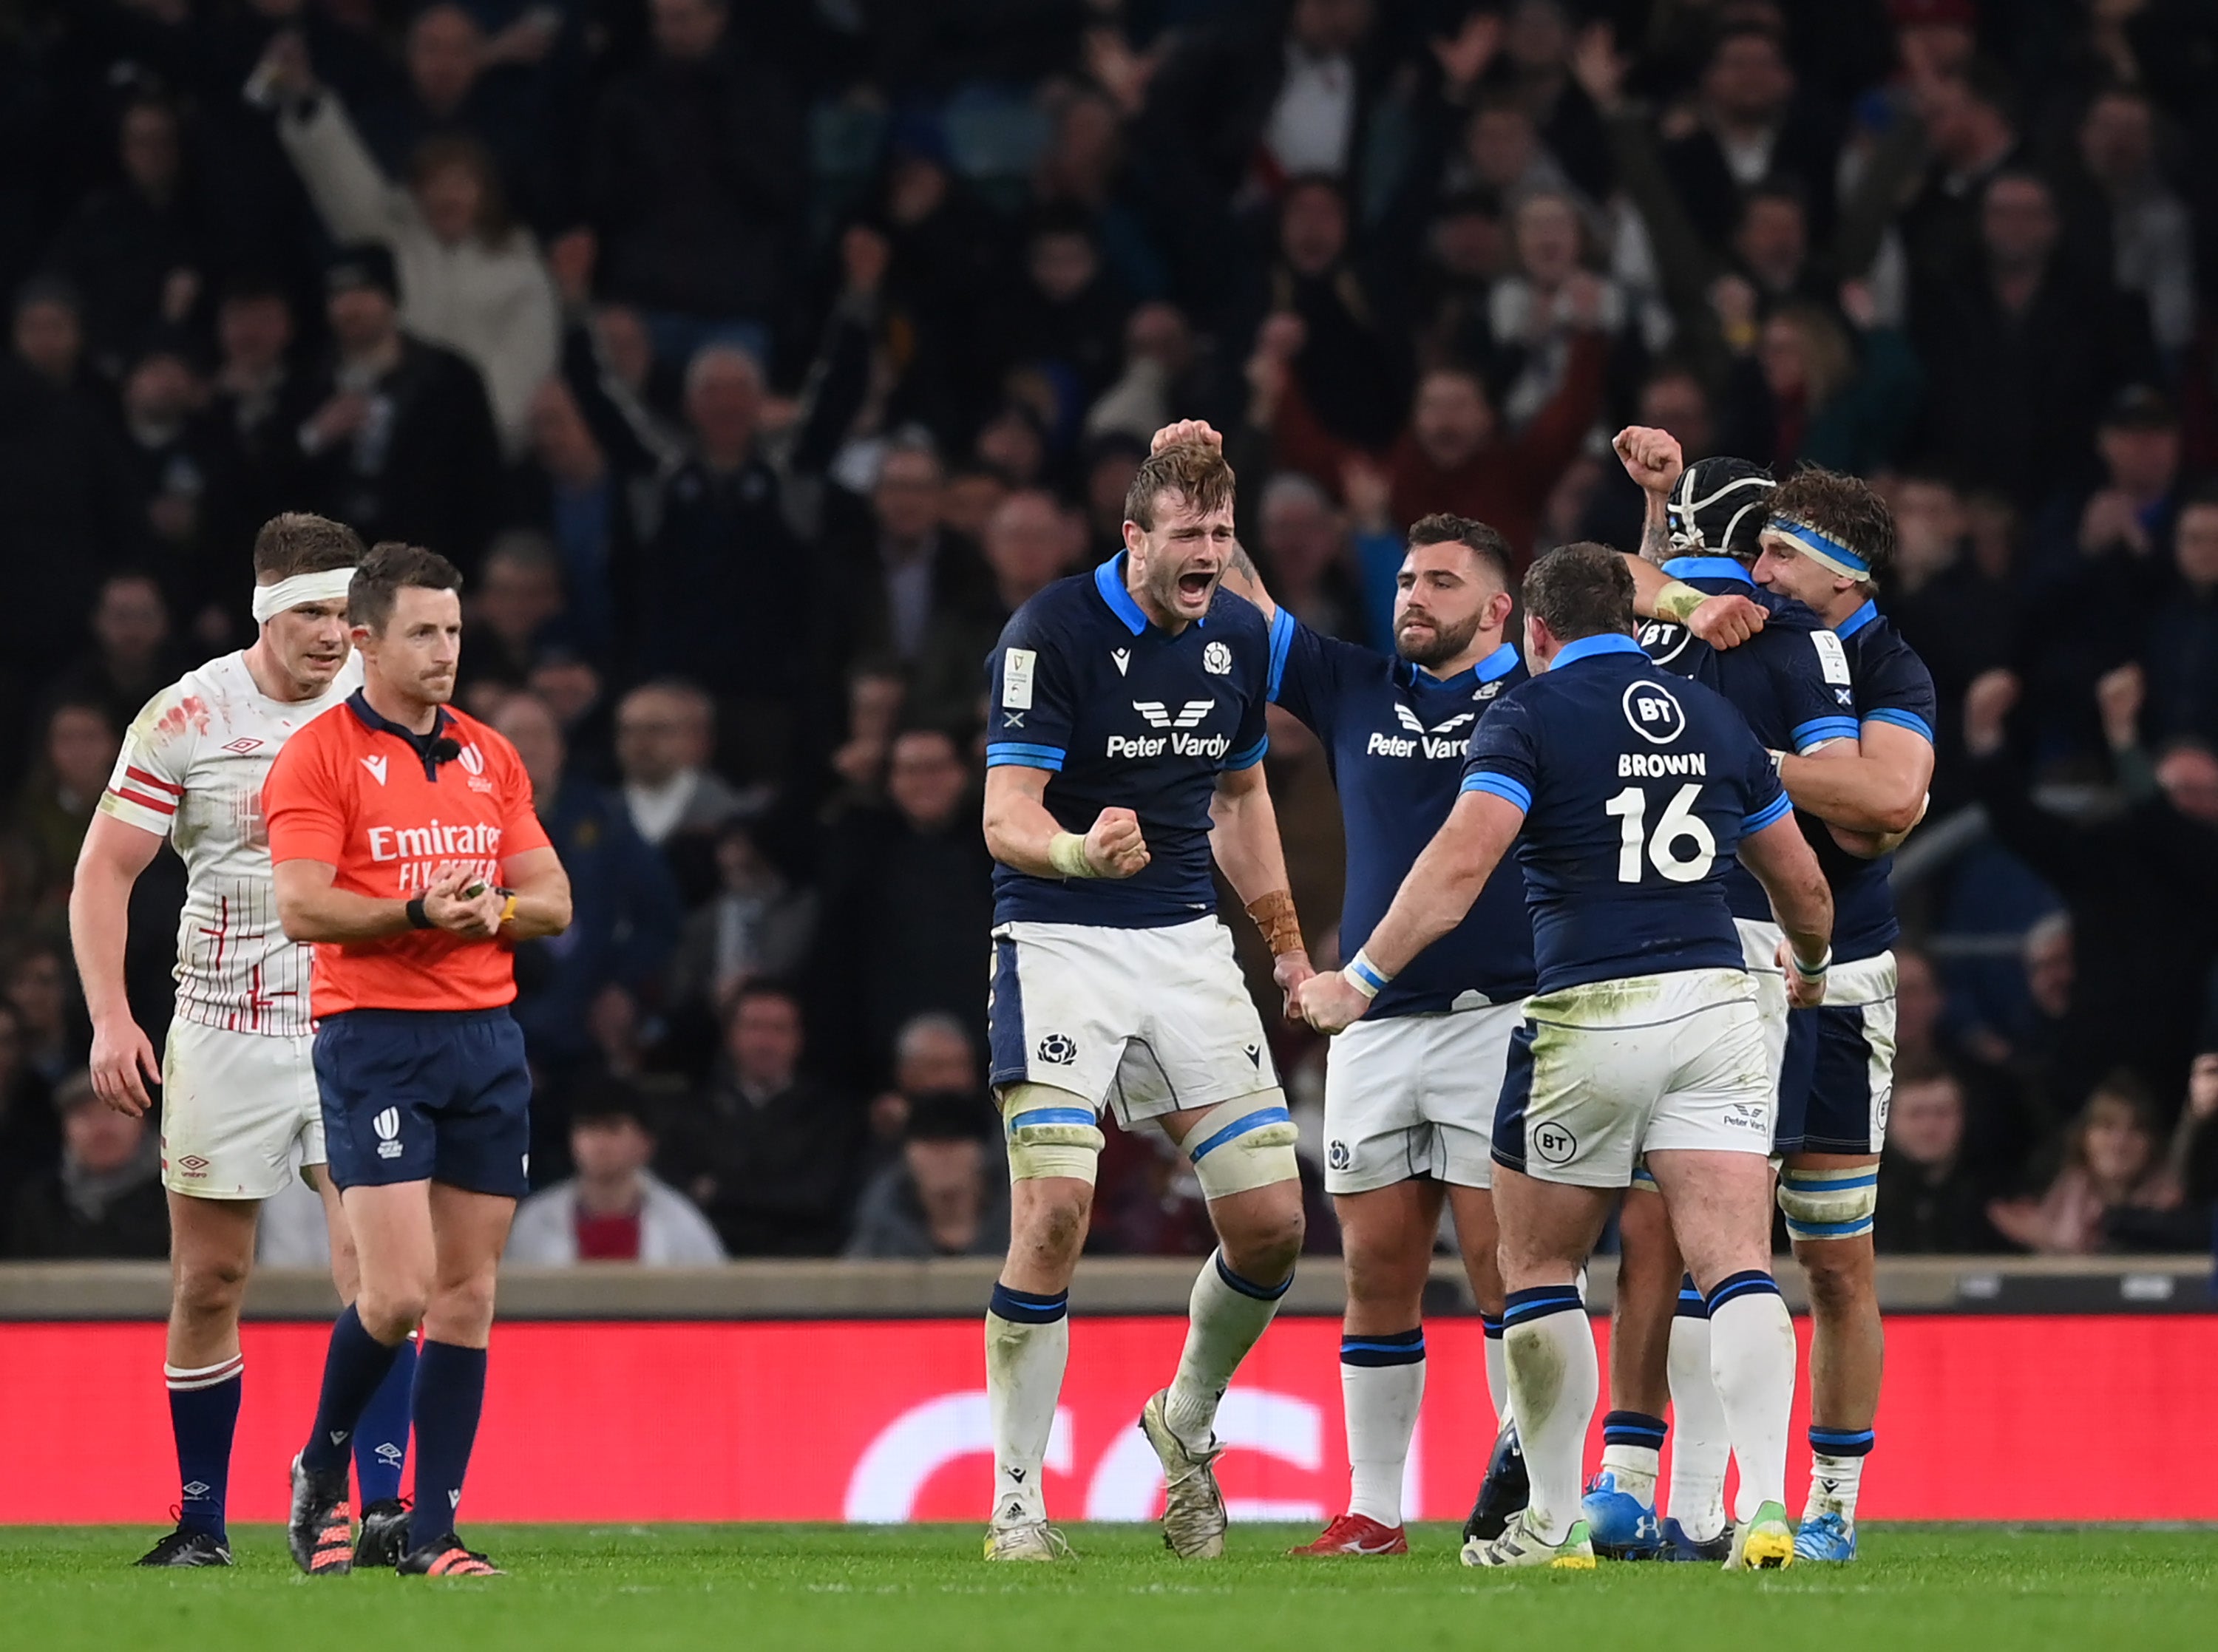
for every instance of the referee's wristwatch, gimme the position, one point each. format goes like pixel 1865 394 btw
pixel 418 918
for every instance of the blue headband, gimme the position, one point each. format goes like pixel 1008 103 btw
pixel 1822 548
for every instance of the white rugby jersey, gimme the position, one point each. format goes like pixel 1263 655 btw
pixel 191 771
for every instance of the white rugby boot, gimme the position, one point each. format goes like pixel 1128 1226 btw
pixel 1193 1507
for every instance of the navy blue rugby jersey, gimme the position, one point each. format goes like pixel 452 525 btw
pixel 1637 787
pixel 1891 686
pixel 1123 714
pixel 1790 681
pixel 1395 737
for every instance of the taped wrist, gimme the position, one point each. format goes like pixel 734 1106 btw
pixel 1242 1144
pixel 1066 852
pixel 1051 1133
pixel 1275 915
pixel 1677 600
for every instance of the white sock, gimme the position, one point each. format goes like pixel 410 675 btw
pixel 1700 1444
pixel 1382 1383
pixel 1752 1359
pixel 1226 1317
pixel 1497 1371
pixel 1027 1345
pixel 1634 1469
pixel 1835 1475
pixel 1554 1381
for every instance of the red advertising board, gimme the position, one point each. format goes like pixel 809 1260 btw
pixel 886 1421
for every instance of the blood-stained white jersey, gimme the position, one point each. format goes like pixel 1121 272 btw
pixel 191 771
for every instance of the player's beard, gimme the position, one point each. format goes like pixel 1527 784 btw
pixel 1445 643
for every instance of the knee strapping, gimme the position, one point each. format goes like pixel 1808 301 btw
pixel 1822 1204
pixel 1051 1133
pixel 1244 1144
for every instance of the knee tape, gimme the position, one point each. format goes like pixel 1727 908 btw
pixel 1829 1203
pixel 1051 1133
pixel 1241 1144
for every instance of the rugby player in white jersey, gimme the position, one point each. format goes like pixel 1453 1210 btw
pixel 238 1088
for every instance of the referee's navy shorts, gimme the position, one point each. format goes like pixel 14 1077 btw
pixel 426 1095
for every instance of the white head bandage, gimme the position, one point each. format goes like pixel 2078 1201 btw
pixel 269 601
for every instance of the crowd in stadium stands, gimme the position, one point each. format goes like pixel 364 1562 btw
pixel 756 358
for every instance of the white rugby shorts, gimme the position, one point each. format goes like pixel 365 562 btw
pixel 1153 1021
pixel 1600 1074
pixel 234 1107
pixel 1415 1095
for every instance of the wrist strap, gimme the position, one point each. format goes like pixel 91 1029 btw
pixel 1677 600
pixel 418 918
pixel 1275 916
pixel 508 910
pixel 1809 971
pixel 1066 852
pixel 1367 977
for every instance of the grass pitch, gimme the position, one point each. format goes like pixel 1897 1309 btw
pixel 920 1588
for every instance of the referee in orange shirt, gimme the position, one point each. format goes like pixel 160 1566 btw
pixel 405 848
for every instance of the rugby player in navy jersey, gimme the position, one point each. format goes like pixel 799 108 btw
pixel 1409 1094
pixel 1633 796
pixel 1826 541
pixel 1790 680
pixel 1125 737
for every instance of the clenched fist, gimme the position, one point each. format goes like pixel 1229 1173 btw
pixel 1114 847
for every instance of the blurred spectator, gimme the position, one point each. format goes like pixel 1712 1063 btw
pixel 1928 1204
pixel 2128 879
pixel 723 588
pixel 165 465
pixel 2193 1160
pixel 2182 645
pixel 625 903
pixel 104 1199
pixel 899 565
pixel 65 788
pixel 1751 127
pixel 30 1133
pixel 136 250
pixel 757 925
pixel 1970 117
pixel 2113 1170
pixel 516 610
pixel 932 1053
pixel 571 492
pixel 613 1209
pixel 51 1033
pixel 470 276
pixel 1302 550
pixel 909 889
pixel 946 1196
pixel 1808 393
pixel 402 444
pixel 665 735
pixel 133 657
pixel 69 516
pixel 1068 316
pixel 249 429
pixel 769 1154
pixel 2127 212
pixel 2020 348
pixel 694 179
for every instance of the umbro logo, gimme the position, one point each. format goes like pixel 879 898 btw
pixel 241 747
pixel 1159 717
pixel 1122 659
pixel 196 1490
pixel 376 767
pixel 1410 721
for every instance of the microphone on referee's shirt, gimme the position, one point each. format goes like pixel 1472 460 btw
pixel 445 749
